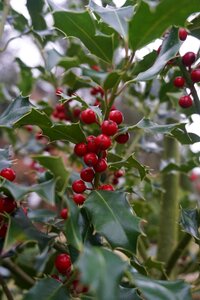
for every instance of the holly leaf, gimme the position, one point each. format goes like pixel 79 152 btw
pixel 117 18
pixel 169 49
pixel 160 289
pixel 184 167
pixel 128 294
pixel 82 26
pixel 21 230
pixel 190 222
pixel 120 232
pixel 35 8
pixel 47 289
pixel 56 166
pixel 111 79
pixel 104 283
pixel 148 23
pixel 5 161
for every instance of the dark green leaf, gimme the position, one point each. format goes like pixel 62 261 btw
pixel 76 82
pixel 69 62
pixel 101 270
pixel 184 167
pixel 190 222
pixel 165 290
pixel 119 231
pixel 148 24
pixel 82 26
pixel 72 226
pixel 111 80
pixel 35 8
pixel 117 18
pixel 22 230
pixel 47 289
pixel 41 215
pixel 56 166
pixel 194 27
pixel 98 77
pixel 145 63
pixel 128 294
pixel 169 49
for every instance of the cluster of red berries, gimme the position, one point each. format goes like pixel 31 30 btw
pixel 97 90
pixel 63 265
pixel 117 174
pixel 94 151
pixel 60 113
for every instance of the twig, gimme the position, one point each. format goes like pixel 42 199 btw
pixel 6 289
pixel 5 13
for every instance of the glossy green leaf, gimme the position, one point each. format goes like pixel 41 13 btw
pixel 111 80
pixel 41 215
pixel 56 166
pixel 128 294
pixel 21 230
pixel 170 47
pixel 5 159
pixel 15 111
pixel 98 77
pixel 165 290
pixel 128 163
pixel 101 270
pixel 117 18
pixel 184 167
pixel 194 27
pixel 147 24
pixel 72 226
pixel 190 222
pixel 52 57
pixel 145 63
pixel 69 62
pixel 107 211
pixel 46 190
pixel 82 26
pixel 76 82
pixel 35 8
pixel 47 289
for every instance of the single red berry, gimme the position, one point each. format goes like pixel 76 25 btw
pixel 115 181
pixel 185 101
pixel 62 115
pixel 80 149
pixel 60 107
pixel 78 186
pixel 101 165
pixel 195 75
pixel 116 116
pixel 55 114
pixel 63 263
pixel 58 91
pixel 79 199
pixel 179 82
pixel 109 127
pixel 90 159
pixel 3 230
pixel 122 138
pixel 7 205
pixel 95 68
pixel 188 58
pixel 8 173
pixel 88 116
pixel 103 142
pixel 182 33
pixel 91 144
pixel 106 187
pixel 87 174
pixel 76 112
pixel 64 213
pixel 193 176
pixel 119 173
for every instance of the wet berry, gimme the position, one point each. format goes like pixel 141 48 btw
pixel 182 33
pixel 188 59
pixel 87 174
pixel 90 159
pixel 195 75
pixel 185 101
pixel 122 138
pixel 8 173
pixel 103 142
pixel 179 82
pixel 109 127
pixel 80 149
pixel 79 199
pixel 63 263
pixel 116 116
pixel 101 165
pixel 78 186
pixel 88 116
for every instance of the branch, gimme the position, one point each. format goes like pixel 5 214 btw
pixel 5 13
pixel 6 289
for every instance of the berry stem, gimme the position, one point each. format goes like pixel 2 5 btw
pixel 5 289
pixel 96 180
pixel 112 98
pixel 190 84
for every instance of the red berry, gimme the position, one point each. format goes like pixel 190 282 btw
pixel 103 142
pixel 61 115
pixel 119 173
pixel 103 154
pixel 79 199
pixel 28 128
pixel 80 149
pixel 101 166
pixel 64 213
pixel 195 75
pixel 182 33
pixel 63 263
pixel 88 116
pixel 78 186
pixel 193 176
pixel 58 91
pixel 91 144
pixel 8 173
pixel 87 174
pixel 7 205
pixel 115 180
pixel 189 58
pixel 122 138
pixel 106 187
pixel 60 107
pixel 109 127
pixel 90 159
pixel 179 82
pixel 79 288
pixel 39 136
pixel 3 230
pixel 185 101
pixel 95 68
pixel 76 112
pixel 116 116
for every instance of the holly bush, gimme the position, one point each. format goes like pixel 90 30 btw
pixel 108 153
